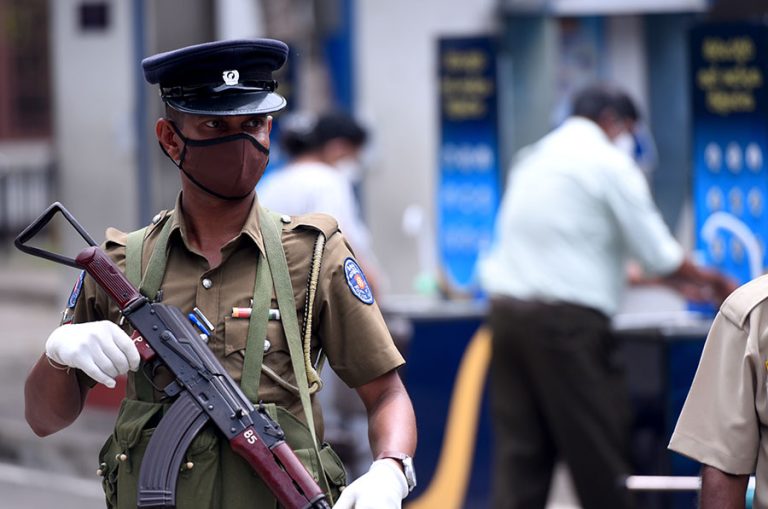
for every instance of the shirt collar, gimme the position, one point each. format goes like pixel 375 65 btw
pixel 250 229
pixel 587 127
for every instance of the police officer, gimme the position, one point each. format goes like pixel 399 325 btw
pixel 203 257
pixel 724 421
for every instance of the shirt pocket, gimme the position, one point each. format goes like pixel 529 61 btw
pixel 235 335
pixel 276 353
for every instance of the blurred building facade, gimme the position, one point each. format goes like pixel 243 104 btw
pixel 73 97
pixel 26 162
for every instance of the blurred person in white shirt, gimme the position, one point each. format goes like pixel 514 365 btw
pixel 575 210
pixel 324 165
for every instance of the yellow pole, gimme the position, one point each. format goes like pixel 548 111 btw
pixel 449 484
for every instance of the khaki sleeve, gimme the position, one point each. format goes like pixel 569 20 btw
pixel 718 425
pixel 353 333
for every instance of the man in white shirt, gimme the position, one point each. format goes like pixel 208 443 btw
pixel 575 211
pixel 323 153
pixel 324 156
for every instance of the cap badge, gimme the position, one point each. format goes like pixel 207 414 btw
pixel 231 77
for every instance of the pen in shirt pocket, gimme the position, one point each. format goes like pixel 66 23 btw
pixel 200 321
pixel 274 314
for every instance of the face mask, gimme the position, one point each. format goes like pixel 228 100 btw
pixel 228 167
pixel 351 168
pixel 626 143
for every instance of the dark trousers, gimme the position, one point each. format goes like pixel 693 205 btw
pixel 557 392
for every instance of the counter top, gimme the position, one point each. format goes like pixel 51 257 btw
pixel 647 312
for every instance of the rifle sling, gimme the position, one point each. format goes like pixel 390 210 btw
pixel 148 283
pixel 257 330
pixel 133 256
pixel 281 279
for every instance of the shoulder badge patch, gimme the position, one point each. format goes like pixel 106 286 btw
pixel 72 301
pixel 357 282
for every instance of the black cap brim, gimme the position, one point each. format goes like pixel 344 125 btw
pixel 252 103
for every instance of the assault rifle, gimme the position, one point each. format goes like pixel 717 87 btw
pixel 202 387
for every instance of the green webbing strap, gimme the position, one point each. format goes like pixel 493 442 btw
pixel 133 256
pixel 284 291
pixel 148 285
pixel 257 331
pixel 153 277
pixel 281 278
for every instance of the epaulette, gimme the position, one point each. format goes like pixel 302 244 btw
pixel 740 303
pixel 114 236
pixel 158 218
pixel 120 238
pixel 157 221
pixel 315 221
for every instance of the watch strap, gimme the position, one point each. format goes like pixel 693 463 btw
pixel 391 454
pixel 405 461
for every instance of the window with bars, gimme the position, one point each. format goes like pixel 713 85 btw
pixel 25 77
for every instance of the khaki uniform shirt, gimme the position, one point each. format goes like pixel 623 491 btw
pixel 725 417
pixel 351 333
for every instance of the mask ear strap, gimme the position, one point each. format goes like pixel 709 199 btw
pixel 183 150
pixel 183 138
pixel 261 148
pixel 178 165
pixel 201 143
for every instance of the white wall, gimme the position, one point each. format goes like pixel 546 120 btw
pixel 591 7
pixel 93 116
pixel 238 19
pixel 396 43
pixel 581 7
pixel 626 57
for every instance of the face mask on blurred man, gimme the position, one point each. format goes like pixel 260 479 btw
pixel 351 168
pixel 625 142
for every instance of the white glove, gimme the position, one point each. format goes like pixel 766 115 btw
pixel 383 487
pixel 101 349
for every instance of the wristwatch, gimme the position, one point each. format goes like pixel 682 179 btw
pixel 407 463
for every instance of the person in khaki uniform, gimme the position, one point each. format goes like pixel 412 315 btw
pixel 724 421
pixel 205 257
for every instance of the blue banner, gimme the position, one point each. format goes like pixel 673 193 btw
pixel 468 159
pixel 730 136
